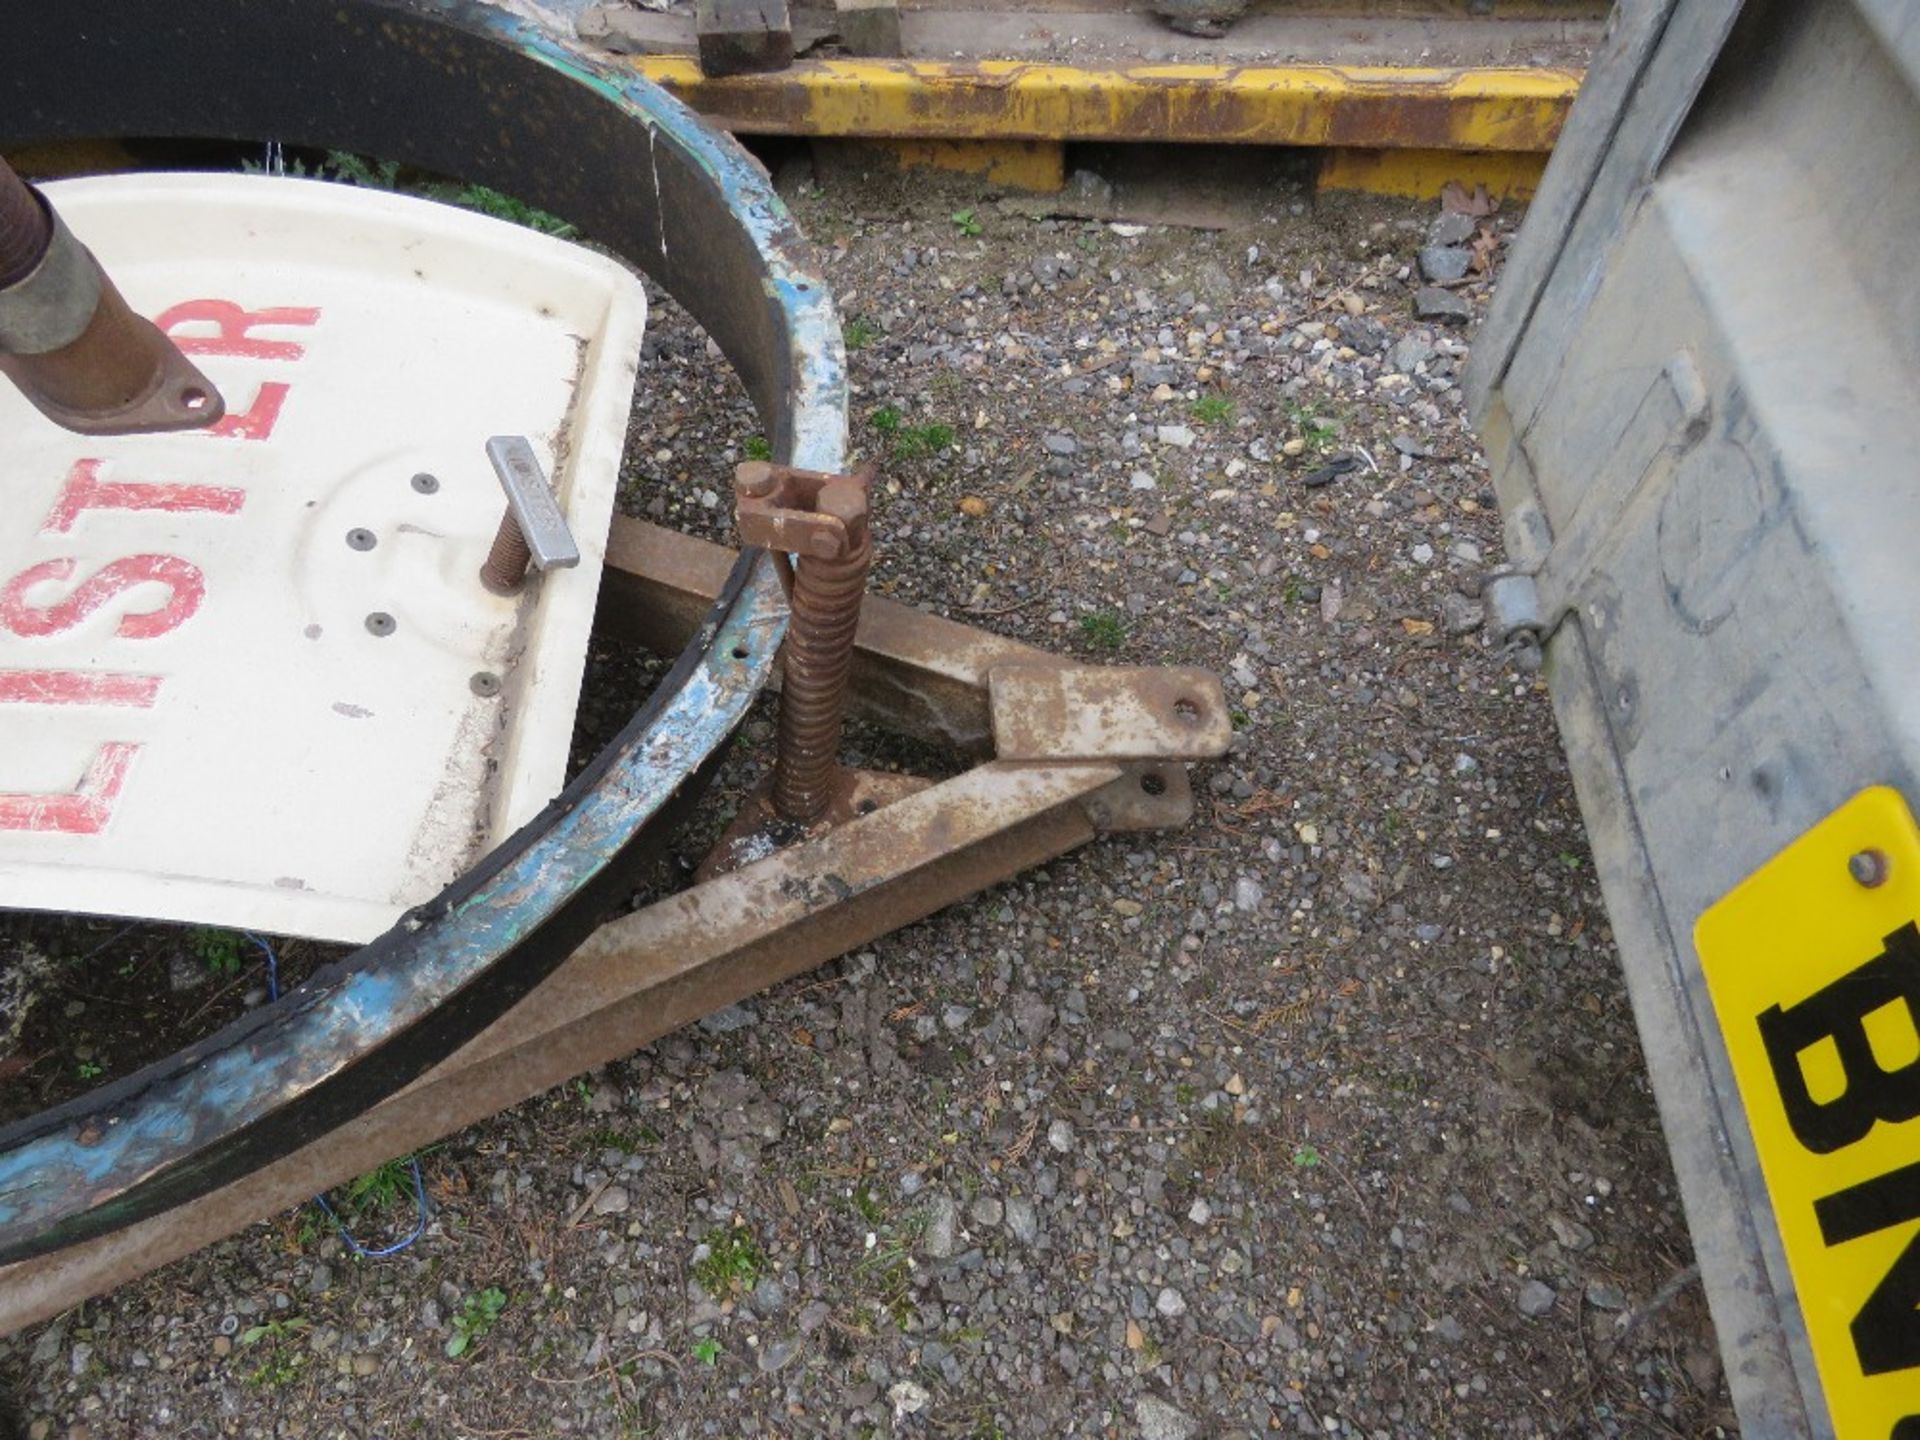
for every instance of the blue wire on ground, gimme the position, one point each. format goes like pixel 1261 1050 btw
pixel 419 1186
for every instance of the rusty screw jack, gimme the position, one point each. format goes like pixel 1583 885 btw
pixel 506 564
pixel 822 519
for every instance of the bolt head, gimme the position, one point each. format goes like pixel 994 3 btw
pixel 1869 868
pixel 755 478
pixel 843 498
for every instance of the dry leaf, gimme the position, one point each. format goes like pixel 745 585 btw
pixel 1455 198
pixel 1486 244
pixel 1136 1337
pixel 1417 627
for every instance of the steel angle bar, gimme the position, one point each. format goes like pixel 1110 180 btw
pixel 466 90
pixel 649 973
pixel 919 674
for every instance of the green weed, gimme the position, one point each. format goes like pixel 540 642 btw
pixel 381 1188
pixel 479 1312
pixel 886 420
pixel 917 442
pixel 888 1269
pixel 626 1143
pixel 1211 408
pixel 1305 1156
pixel 967 221
pixel 343 167
pixel 502 207
pixel 732 1263
pixel 757 448
pixel 274 1330
pixel 858 333
pixel 1317 431
pixel 867 1204
pixel 219 950
pixel 283 1362
pixel 707 1351
pixel 347 168
pixel 1104 630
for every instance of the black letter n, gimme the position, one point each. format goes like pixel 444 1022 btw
pixel 1838 1013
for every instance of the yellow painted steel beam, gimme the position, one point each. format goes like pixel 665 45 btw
pixel 1371 107
pixel 1039 165
pixel 1423 174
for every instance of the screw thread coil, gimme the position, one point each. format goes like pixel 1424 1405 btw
pixel 507 561
pixel 826 614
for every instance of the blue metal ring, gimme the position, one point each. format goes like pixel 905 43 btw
pixel 467 90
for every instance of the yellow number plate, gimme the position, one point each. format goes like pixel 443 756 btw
pixel 1814 967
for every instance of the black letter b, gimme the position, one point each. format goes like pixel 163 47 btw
pixel 1838 1013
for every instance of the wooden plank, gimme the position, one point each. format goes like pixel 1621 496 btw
pixel 870 27
pixel 743 37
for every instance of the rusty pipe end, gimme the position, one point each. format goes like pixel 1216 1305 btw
pixel 73 346
pixel 26 227
pixel 121 377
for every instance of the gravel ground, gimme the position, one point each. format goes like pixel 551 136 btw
pixel 1323 1116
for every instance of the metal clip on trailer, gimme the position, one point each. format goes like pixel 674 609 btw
pixel 507 983
pixel 1695 388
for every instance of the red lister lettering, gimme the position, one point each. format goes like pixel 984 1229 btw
pixel 186 586
pixel 84 810
pixel 258 420
pixel 233 326
pixel 78 687
pixel 85 490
